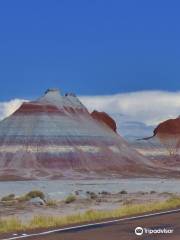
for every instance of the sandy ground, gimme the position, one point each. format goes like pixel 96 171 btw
pixel 100 201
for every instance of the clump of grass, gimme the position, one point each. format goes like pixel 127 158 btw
pixel 142 193
pixel 30 195
pixel 51 203
pixel 92 195
pixel 35 193
pixel 168 193
pixel 123 192
pixel 9 197
pixel 71 198
pixel 12 224
pixel 128 201
pixel 104 193
pixel 23 198
pixel 152 192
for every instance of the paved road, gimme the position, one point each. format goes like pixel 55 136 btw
pixel 123 230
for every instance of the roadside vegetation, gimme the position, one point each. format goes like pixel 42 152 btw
pixel 15 224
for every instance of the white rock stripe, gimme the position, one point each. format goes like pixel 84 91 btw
pixel 53 148
pixel 92 224
pixel 47 148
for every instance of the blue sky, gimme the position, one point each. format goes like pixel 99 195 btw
pixel 88 47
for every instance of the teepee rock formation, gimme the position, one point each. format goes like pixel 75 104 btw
pixel 56 137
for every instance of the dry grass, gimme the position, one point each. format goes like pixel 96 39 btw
pixel 14 224
pixel 51 203
pixel 11 224
pixel 30 195
pixel 71 198
pixel 9 197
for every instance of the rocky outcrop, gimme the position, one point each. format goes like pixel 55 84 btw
pixel 105 118
pixel 170 126
pixel 163 147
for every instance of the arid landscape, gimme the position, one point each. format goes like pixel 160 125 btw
pixel 39 210
pixel 61 164
pixel 40 204
pixel 26 209
pixel 89 120
pixel 56 137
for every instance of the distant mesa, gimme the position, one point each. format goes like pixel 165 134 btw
pixel 56 137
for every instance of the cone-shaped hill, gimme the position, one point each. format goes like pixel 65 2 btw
pixel 56 137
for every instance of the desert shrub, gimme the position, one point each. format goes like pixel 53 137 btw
pixel 92 195
pixel 30 195
pixel 105 193
pixel 71 198
pixel 142 193
pixel 23 198
pixel 168 193
pixel 123 192
pixel 9 197
pixel 35 193
pixel 152 192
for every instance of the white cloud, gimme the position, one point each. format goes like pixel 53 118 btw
pixel 7 108
pixel 149 107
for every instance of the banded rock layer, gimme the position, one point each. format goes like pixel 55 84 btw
pixel 55 136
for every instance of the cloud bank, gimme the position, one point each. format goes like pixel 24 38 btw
pixel 148 107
